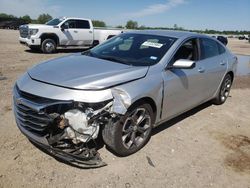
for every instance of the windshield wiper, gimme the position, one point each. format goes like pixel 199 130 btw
pixel 114 59
pixel 88 53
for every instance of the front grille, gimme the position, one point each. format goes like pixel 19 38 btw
pixel 24 32
pixel 31 118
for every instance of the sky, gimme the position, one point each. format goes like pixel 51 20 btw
pixel 189 14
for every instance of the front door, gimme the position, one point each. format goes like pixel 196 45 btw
pixel 183 88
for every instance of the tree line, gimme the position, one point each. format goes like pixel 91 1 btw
pixel 131 24
pixel 41 19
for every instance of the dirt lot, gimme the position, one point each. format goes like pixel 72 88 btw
pixel 206 147
pixel 241 47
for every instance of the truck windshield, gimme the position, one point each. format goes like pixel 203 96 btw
pixel 55 21
pixel 133 49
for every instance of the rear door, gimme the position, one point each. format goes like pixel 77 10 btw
pixel 214 61
pixel 84 32
pixel 78 33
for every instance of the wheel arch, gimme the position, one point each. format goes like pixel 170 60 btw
pixel 52 36
pixel 231 74
pixel 147 100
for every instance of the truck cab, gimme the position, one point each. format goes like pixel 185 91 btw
pixel 63 32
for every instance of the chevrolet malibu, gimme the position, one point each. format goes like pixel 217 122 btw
pixel 119 91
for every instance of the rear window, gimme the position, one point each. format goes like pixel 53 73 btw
pixel 82 24
pixel 221 48
pixel 209 48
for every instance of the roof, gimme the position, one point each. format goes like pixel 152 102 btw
pixel 169 33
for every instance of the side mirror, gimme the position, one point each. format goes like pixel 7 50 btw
pixel 183 64
pixel 64 26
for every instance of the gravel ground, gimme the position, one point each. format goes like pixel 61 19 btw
pixel 206 147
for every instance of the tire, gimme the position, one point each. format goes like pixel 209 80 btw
pixel 126 136
pixel 224 90
pixel 48 46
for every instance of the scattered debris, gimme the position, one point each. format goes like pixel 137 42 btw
pixel 172 150
pixel 15 158
pixel 12 147
pixel 150 162
pixel 3 78
pixel 7 108
pixel 127 185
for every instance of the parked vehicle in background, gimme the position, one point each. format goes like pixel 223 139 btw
pixel 244 37
pixel 120 90
pixel 12 24
pixel 64 32
pixel 222 39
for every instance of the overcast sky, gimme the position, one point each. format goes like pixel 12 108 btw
pixel 190 14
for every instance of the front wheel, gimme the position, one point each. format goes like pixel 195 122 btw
pixel 224 90
pixel 131 132
pixel 48 46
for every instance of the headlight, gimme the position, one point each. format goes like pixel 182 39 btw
pixel 33 31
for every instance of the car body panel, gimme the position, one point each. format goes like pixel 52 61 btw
pixel 86 73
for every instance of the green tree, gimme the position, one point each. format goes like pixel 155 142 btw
pixel 98 23
pixel 26 18
pixel 119 26
pixel 175 26
pixel 142 27
pixel 131 24
pixel 5 17
pixel 43 18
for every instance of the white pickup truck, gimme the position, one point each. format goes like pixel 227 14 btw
pixel 64 32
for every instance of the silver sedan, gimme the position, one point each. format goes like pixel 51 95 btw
pixel 119 91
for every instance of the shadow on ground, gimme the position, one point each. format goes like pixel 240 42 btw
pixel 162 127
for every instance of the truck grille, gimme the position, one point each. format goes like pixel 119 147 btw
pixel 24 31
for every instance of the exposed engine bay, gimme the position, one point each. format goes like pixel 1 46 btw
pixel 75 132
pixel 68 129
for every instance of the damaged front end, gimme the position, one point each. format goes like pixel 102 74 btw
pixel 66 129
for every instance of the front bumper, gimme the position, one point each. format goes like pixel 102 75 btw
pixel 30 41
pixel 33 123
pixel 43 144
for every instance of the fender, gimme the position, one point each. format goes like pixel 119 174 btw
pixel 51 36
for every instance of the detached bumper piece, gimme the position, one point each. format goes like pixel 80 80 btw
pixel 36 119
pixel 83 158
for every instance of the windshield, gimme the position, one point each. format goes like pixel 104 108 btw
pixel 133 49
pixel 55 21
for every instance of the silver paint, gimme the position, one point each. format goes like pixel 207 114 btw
pixel 86 79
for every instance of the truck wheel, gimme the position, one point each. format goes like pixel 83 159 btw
pixel 48 46
pixel 131 132
pixel 224 90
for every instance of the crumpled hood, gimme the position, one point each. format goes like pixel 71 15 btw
pixel 87 73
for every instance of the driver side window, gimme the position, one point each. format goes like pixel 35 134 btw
pixel 70 24
pixel 188 50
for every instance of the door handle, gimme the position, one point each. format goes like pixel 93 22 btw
pixel 201 70
pixel 75 31
pixel 90 32
pixel 222 63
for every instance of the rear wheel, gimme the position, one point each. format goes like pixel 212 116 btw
pixel 48 46
pixel 131 132
pixel 224 90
